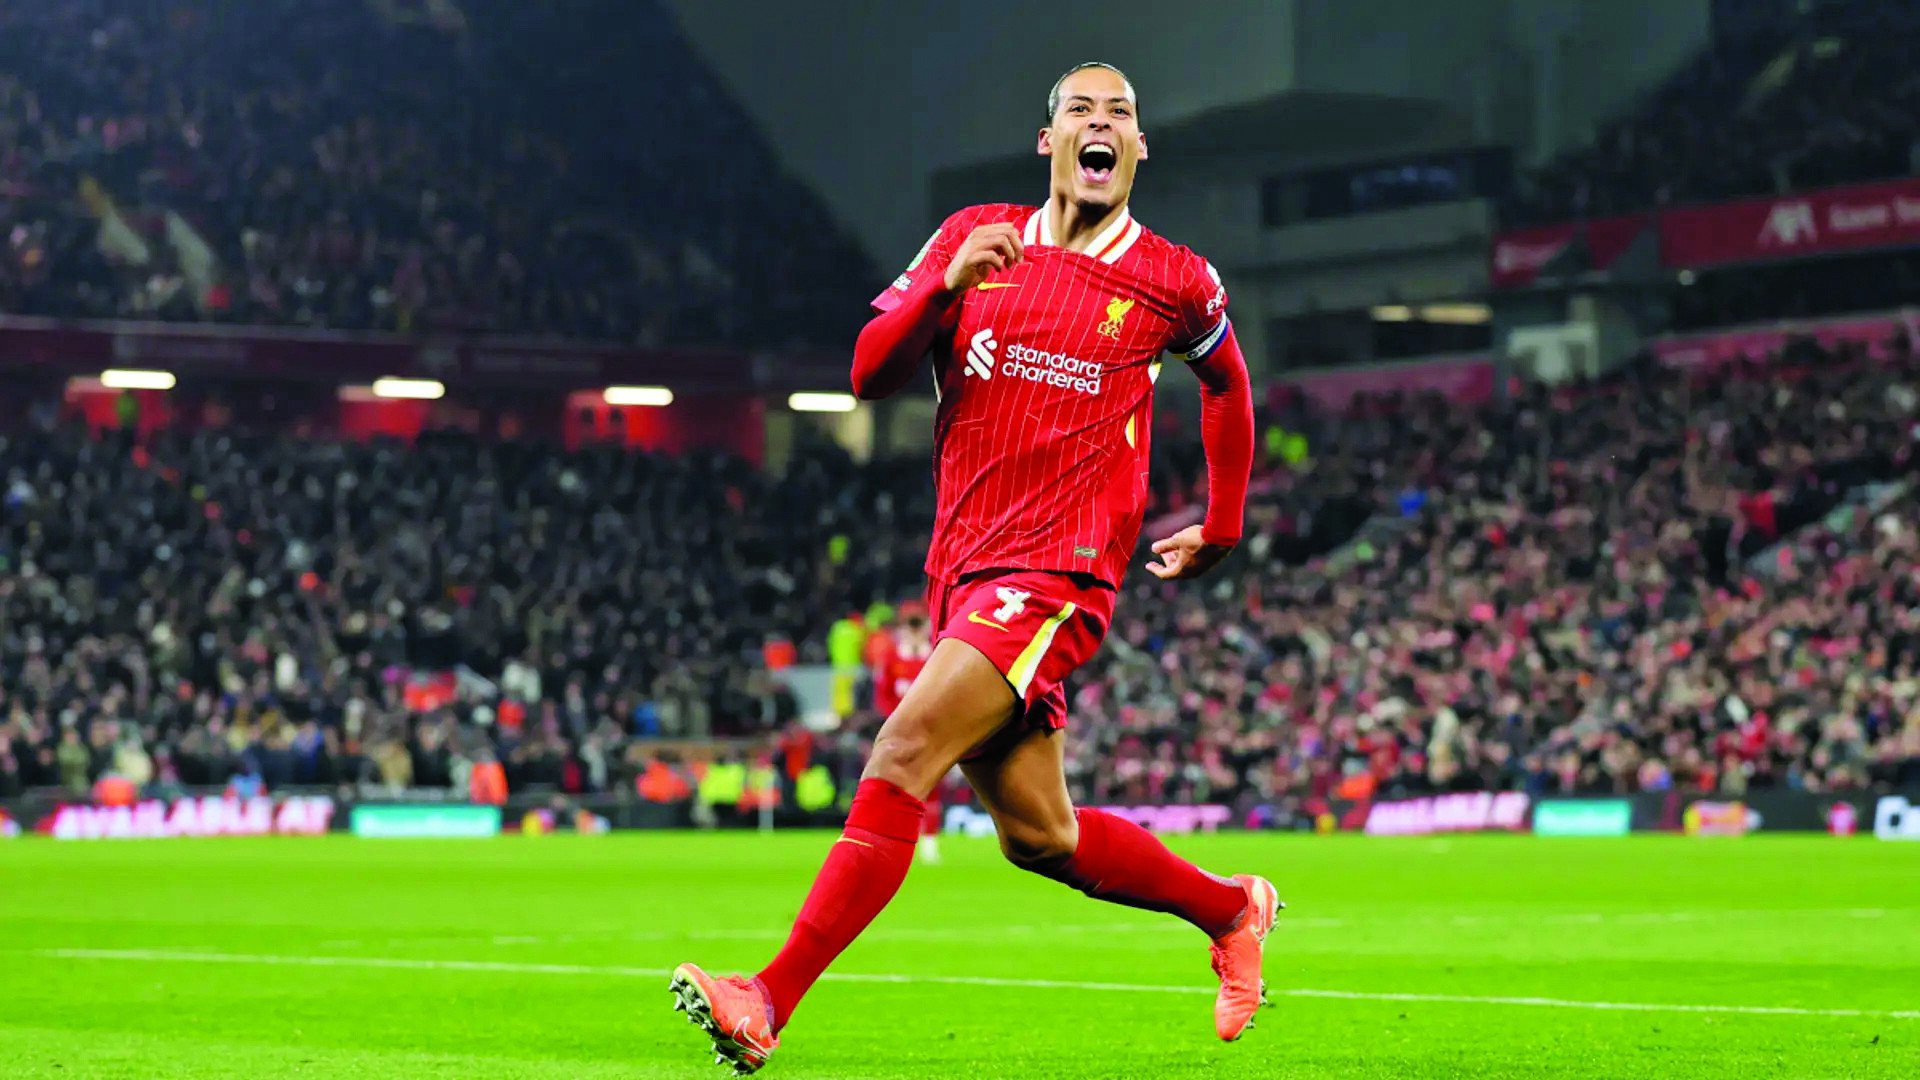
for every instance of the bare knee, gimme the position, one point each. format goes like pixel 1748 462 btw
pixel 1038 845
pixel 907 756
pixel 958 701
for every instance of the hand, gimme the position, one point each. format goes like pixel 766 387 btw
pixel 1185 555
pixel 986 249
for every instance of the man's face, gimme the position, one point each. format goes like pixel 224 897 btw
pixel 1095 139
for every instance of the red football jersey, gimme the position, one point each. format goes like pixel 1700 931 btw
pixel 895 674
pixel 1046 392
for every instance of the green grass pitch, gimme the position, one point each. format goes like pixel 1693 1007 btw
pixel 548 958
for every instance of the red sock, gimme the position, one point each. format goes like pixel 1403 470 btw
pixel 863 871
pixel 1122 863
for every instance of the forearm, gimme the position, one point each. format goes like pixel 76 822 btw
pixel 1226 434
pixel 893 343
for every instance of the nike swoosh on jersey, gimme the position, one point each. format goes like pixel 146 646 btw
pixel 976 617
pixel 985 285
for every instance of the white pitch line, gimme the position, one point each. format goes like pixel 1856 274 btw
pixel 769 933
pixel 504 966
pixel 1170 926
pixel 514 968
pixel 1617 1006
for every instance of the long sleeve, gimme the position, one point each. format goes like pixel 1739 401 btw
pixel 1226 434
pixel 893 344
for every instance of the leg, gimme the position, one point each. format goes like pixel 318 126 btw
pixel 1021 780
pixel 1109 858
pixel 929 845
pixel 957 702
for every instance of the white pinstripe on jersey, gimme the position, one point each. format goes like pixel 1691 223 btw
pixel 1035 471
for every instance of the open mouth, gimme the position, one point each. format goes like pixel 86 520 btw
pixel 1096 163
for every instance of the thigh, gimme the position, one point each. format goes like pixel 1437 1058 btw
pixel 1035 627
pixel 1021 779
pixel 957 702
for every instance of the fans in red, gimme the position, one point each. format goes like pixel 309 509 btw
pixel 900 662
pixel 1046 326
pixel 904 656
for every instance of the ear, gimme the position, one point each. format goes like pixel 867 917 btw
pixel 1142 137
pixel 1045 148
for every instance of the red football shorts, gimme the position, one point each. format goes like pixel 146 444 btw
pixel 1036 626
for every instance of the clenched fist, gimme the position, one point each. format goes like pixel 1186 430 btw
pixel 986 249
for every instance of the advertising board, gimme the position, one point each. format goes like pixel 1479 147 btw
pixel 206 815
pixel 415 821
pixel 1582 817
pixel 1467 811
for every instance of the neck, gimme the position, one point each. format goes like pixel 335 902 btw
pixel 1075 225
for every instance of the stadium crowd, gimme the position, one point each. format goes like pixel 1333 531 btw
pixel 1786 98
pixel 1656 582
pixel 205 605
pixel 398 166
pixel 1644 584
pixel 1629 589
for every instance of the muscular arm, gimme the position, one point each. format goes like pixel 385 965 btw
pixel 893 343
pixel 1226 433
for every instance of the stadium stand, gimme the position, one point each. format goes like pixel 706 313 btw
pixel 224 600
pixel 1660 581
pixel 1786 98
pixel 283 163
pixel 1609 591
pixel 1653 582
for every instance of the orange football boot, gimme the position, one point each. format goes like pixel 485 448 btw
pixel 733 1011
pixel 1236 959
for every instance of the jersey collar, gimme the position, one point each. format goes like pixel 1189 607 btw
pixel 1114 241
